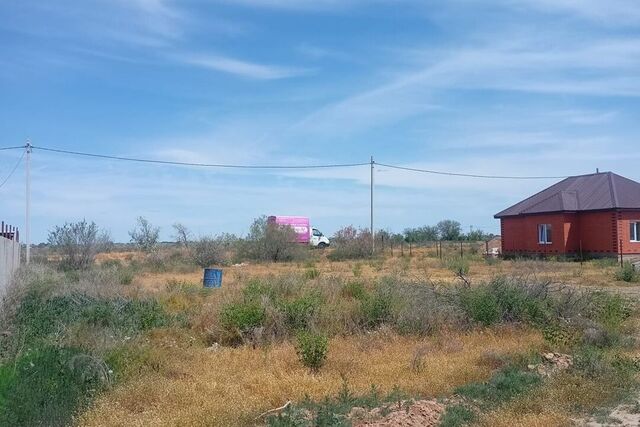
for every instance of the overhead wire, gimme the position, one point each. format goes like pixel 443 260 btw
pixel 12 148
pixel 13 170
pixel 466 175
pixel 208 165
pixel 319 166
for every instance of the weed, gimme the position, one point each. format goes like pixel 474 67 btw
pixel 299 312
pixel 355 290
pixel 47 386
pixel 312 349
pixel 503 386
pixel 458 265
pixel 627 273
pixel 457 415
pixel 311 273
pixel 242 317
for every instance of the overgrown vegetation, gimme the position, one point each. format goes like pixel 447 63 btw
pixel 78 243
pixel 627 273
pixel 50 362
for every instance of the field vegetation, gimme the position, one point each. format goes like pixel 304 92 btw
pixel 132 337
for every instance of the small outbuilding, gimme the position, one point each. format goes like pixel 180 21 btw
pixel 596 214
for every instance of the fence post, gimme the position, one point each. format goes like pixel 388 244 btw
pixel 410 253
pixel 621 257
pixel 461 251
pixel 581 256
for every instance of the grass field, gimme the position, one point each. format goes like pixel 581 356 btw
pixel 142 343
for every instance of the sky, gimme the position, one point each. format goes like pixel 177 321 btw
pixel 500 87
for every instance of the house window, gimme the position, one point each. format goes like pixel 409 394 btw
pixel 544 234
pixel 634 229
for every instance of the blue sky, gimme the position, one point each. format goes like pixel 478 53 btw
pixel 510 87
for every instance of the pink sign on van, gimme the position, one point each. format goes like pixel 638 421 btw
pixel 299 224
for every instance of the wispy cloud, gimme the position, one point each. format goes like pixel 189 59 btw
pixel 240 68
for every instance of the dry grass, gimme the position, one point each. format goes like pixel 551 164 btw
pixel 420 266
pixel 232 385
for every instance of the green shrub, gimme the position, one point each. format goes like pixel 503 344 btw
pixel 48 385
pixel 458 265
pixel 481 306
pixel 311 273
pixel 375 309
pixel 627 273
pixel 504 385
pixel 299 312
pixel 608 309
pixel 242 317
pixel 312 349
pixel 355 290
pixel 456 416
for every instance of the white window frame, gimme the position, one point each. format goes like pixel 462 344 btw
pixel 543 234
pixel 634 231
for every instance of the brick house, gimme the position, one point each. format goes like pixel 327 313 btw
pixel 596 214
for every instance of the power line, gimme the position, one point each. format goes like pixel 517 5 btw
pixel 11 148
pixel 208 165
pixel 468 175
pixel 12 170
pixel 322 166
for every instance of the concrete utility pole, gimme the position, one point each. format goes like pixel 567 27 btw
pixel 373 235
pixel 28 203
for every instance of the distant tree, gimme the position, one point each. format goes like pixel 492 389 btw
pixel 422 234
pixel 449 229
pixel 182 235
pixel 78 243
pixel 145 235
pixel 209 251
pixel 477 236
pixel 270 242
pixel 351 243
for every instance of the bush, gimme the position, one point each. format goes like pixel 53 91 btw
pixel 299 312
pixel 242 317
pixel 458 265
pixel 312 349
pixel 145 235
pixel 456 416
pixel 48 385
pixel 481 306
pixel 209 251
pixel 351 243
pixel 503 386
pixel 271 242
pixel 627 273
pixel 78 243
pixel 375 308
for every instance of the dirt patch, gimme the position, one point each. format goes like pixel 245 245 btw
pixel 552 363
pixel 406 414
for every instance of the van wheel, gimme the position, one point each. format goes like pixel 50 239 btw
pixel 322 245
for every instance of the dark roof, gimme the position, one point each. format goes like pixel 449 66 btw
pixel 598 191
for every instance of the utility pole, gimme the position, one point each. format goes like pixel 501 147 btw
pixel 28 203
pixel 373 235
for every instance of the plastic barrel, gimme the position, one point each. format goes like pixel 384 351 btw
pixel 212 278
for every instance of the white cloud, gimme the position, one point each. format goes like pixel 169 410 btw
pixel 240 68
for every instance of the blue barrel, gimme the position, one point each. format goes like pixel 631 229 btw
pixel 212 278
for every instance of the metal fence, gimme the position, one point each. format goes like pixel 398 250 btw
pixel 9 254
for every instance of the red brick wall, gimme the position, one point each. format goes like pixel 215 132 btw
pixel 520 234
pixel 624 218
pixel 596 232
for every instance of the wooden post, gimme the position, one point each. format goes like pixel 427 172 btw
pixel 402 249
pixel 486 248
pixel 621 257
pixel 410 253
pixel 581 255
pixel 461 252
pixel 440 244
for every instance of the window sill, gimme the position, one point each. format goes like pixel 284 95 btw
pixel 545 244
